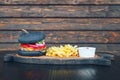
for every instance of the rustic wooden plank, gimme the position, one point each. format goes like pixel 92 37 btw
pixel 59 11
pixel 68 36
pixel 101 60
pixel 9 46
pixel 110 48
pixel 59 2
pixel 60 24
pixel 105 1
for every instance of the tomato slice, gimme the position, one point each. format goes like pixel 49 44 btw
pixel 24 45
pixel 33 46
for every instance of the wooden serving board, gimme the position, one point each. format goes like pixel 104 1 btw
pixel 99 59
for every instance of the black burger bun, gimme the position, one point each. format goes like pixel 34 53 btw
pixel 31 37
pixel 30 53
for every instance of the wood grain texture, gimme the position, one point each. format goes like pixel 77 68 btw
pixel 76 23
pixel 101 60
pixel 60 24
pixel 59 11
pixel 68 36
pixel 60 2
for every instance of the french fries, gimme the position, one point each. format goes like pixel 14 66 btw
pixel 63 51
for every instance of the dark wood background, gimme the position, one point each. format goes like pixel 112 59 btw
pixel 78 22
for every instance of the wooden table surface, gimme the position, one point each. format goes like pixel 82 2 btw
pixel 20 71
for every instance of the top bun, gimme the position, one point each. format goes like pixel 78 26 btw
pixel 31 37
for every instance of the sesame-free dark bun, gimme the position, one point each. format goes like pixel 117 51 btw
pixel 30 53
pixel 31 37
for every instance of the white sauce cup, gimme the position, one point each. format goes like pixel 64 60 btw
pixel 87 52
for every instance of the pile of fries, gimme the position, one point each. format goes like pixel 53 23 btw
pixel 65 51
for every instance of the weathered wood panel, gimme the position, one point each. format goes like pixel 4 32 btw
pixel 60 24
pixel 111 48
pixel 68 36
pixel 59 11
pixel 59 2
pixel 78 20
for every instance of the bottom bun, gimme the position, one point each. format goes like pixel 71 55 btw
pixel 31 53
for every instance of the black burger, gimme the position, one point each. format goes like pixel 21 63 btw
pixel 32 44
